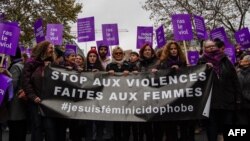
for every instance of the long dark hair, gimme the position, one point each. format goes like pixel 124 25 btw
pixel 96 65
pixel 142 50
pixel 39 51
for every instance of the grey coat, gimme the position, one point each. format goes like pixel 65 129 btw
pixel 17 107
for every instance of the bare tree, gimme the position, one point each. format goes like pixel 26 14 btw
pixel 26 12
pixel 230 14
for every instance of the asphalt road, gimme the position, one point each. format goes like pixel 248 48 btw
pixel 198 137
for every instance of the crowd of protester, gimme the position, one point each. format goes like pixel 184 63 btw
pixel 230 102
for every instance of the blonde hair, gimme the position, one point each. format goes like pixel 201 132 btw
pixel 116 49
pixel 166 51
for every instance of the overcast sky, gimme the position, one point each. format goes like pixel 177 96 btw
pixel 128 14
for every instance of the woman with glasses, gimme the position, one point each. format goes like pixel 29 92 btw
pixel 119 64
pixel 226 91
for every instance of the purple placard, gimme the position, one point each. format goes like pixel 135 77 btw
pixel 230 52
pixel 243 38
pixel 9 37
pixel 5 82
pixel 28 51
pixel 219 33
pixel 110 34
pixel 144 35
pixel 12 23
pixel 160 38
pixel 54 33
pixel 2 16
pixel 22 48
pixel 38 28
pixel 74 47
pixel 86 29
pixel 200 27
pixel 193 57
pixel 99 43
pixel 182 27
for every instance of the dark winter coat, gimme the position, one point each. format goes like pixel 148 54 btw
pixel 17 107
pixel 244 78
pixel 226 87
pixel 148 64
pixel 119 68
pixel 32 80
pixel 170 62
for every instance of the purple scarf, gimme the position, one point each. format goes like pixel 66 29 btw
pixel 214 58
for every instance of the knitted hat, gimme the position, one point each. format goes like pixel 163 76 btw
pixel 92 50
pixel 69 52
pixel 134 53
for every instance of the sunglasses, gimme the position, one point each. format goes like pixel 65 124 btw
pixel 118 53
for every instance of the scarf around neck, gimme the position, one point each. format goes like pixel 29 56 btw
pixel 215 58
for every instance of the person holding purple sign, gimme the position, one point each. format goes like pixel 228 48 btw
pixel 103 54
pixel 173 58
pixel 42 55
pixel 226 93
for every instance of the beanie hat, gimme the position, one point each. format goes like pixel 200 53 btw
pixel 92 50
pixel 68 52
pixel 135 53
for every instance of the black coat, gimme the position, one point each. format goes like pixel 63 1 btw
pixel 30 71
pixel 226 87
pixel 244 78
pixel 119 68
pixel 17 106
pixel 148 64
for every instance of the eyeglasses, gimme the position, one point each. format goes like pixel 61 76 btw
pixel 118 53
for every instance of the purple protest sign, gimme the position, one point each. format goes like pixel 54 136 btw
pixel 2 16
pixel 86 29
pixel 74 47
pixel 219 33
pixel 101 43
pixel 110 34
pixel 182 27
pixel 200 27
pixel 54 33
pixel 193 57
pixel 144 35
pixel 243 38
pixel 12 23
pixel 22 48
pixel 38 28
pixel 160 38
pixel 28 51
pixel 9 37
pixel 5 82
pixel 230 52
